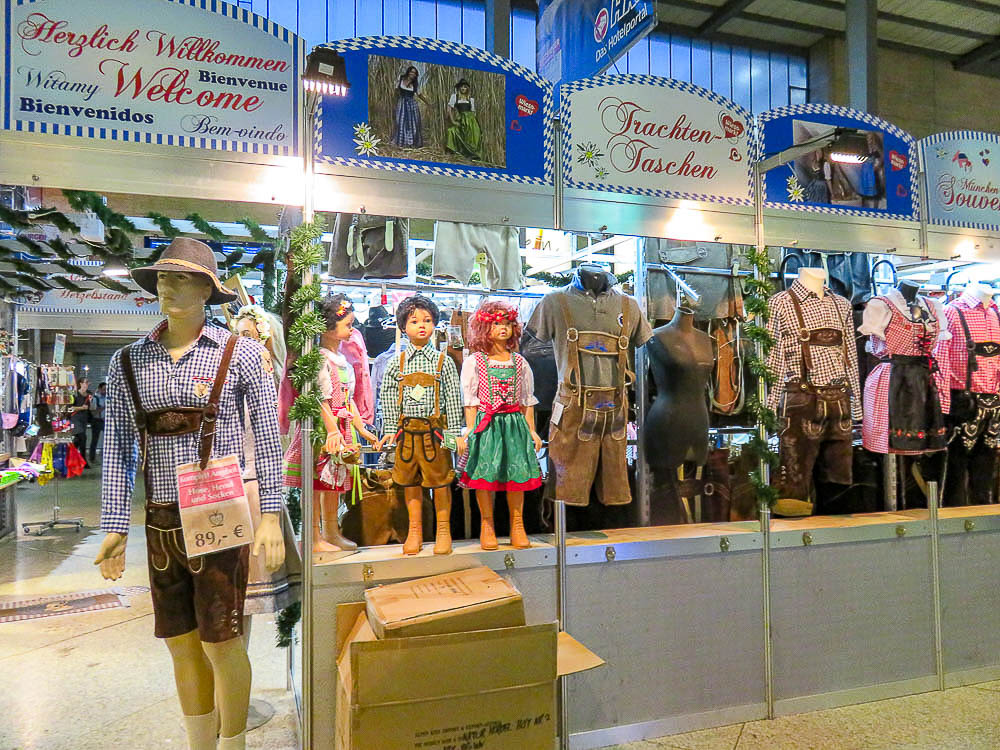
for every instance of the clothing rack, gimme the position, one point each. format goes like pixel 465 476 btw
pixel 411 286
pixel 51 523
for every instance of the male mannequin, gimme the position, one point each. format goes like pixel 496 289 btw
pixel 170 369
pixel 818 390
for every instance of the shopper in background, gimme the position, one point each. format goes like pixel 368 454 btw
pixel 80 418
pixel 97 404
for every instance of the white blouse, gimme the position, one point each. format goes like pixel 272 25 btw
pixel 333 361
pixel 455 100
pixel 877 314
pixel 470 380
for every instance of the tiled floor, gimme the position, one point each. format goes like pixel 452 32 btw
pixel 100 680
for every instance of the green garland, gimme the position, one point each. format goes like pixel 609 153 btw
pixel 757 291
pixel 286 621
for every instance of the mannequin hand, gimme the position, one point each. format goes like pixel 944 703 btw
pixel 536 440
pixel 370 437
pixel 461 444
pixel 387 441
pixel 334 441
pixel 268 539
pixel 111 556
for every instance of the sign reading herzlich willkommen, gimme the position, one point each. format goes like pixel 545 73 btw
pixel 656 136
pixel 169 72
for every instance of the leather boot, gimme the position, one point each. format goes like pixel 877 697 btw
pixel 330 503
pixel 487 533
pixel 442 517
pixel 415 533
pixel 518 536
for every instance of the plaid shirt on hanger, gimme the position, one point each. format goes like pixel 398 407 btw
pixel 829 365
pixel 421 360
pixel 165 384
pixel 953 357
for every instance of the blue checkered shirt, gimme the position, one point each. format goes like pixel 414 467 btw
pixel 165 384
pixel 421 360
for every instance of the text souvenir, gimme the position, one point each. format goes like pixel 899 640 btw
pixel 656 136
pixel 581 38
pixel 193 73
pixel 963 179
pixel 861 164
pixel 436 107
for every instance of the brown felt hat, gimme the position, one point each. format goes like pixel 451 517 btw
pixel 188 255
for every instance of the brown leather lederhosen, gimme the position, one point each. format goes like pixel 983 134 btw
pixel 815 419
pixel 187 594
pixel 587 441
pixel 421 458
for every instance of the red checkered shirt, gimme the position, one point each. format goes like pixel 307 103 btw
pixel 952 356
pixel 830 367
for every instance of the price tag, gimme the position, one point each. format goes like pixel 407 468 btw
pixel 215 513
pixel 417 392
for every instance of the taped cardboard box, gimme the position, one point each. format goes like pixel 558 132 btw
pixel 472 599
pixel 476 690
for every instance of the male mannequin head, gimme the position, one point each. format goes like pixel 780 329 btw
pixel 181 293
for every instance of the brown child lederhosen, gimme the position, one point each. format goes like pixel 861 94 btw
pixel 587 440
pixel 421 458
pixel 205 594
pixel 815 420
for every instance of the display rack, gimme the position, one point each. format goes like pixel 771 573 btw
pixel 51 523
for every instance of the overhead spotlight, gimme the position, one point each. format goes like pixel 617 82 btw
pixel 114 267
pixel 326 73
pixel 849 148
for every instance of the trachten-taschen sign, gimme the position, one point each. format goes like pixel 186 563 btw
pixel 656 136
pixel 194 73
pixel 963 179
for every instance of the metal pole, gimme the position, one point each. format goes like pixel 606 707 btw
pixel 560 524
pixel 764 469
pixel 922 205
pixel 890 477
pixel 306 496
pixel 642 500
pixel 932 506
pixel 557 174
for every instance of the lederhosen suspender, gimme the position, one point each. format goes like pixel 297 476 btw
pixel 437 389
pixel 180 420
pixel 574 375
pixel 806 340
pixel 972 360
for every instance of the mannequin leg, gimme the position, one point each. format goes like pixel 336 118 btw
pixel 231 666
pixel 518 536
pixel 330 502
pixel 414 509
pixel 442 517
pixel 195 687
pixel 487 534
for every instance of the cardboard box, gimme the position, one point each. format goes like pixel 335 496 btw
pixel 472 599
pixel 477 690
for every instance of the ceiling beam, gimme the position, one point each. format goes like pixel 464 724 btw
pixel 975 5
pixel 982 53
pixel 725 12
pixel 907 20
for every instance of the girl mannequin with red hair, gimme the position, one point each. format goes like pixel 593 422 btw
pixel 499 394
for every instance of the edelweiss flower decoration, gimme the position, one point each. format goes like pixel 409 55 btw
pixel 589 153
pixel 796 194
pixel 367 143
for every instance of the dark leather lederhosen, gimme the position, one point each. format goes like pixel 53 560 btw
pixel 206 593
pixel 421 458
pixel 588 443
pixel 975 422
pixel 815 419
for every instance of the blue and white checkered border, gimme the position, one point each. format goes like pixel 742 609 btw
pixel 376 43
pixel 970 135
pixel 867 119
pixel 567 89
pixel 222 8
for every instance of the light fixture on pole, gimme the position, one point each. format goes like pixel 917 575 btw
pixel 326 73
pixel 114 266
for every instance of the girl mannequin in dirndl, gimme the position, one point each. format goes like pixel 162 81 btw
pixel 498 389
pixel 335 461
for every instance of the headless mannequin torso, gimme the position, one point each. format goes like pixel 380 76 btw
pixel 980 291
pixel 593 278
pixel 681 358
pixel 813 279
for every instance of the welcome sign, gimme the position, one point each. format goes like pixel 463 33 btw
pixel 656 136
pixel 196 73
pixel 963 179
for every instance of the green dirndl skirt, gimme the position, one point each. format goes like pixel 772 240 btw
pixel 502 456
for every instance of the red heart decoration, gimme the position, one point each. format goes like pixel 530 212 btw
pixel 734 155
pixel 901 191
pixel 732 127
pixel 525 106
pixel 515 126
pixel 898 160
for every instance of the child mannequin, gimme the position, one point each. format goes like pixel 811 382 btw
pixel 332 476
pixel 500 420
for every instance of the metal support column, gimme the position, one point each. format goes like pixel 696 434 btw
pixel 890 477
pixel 763 467
pixel 642 500
pixel 306 495
pixel 862 54
pixel 498 27
pixel 560 540
pixel 932 506
pixel 557 174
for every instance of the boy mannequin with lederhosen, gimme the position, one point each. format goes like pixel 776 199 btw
pixel 176 396
pixel 417 385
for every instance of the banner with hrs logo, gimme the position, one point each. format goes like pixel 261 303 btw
pixel 194 73
pixel 656 136
pixel 963 179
